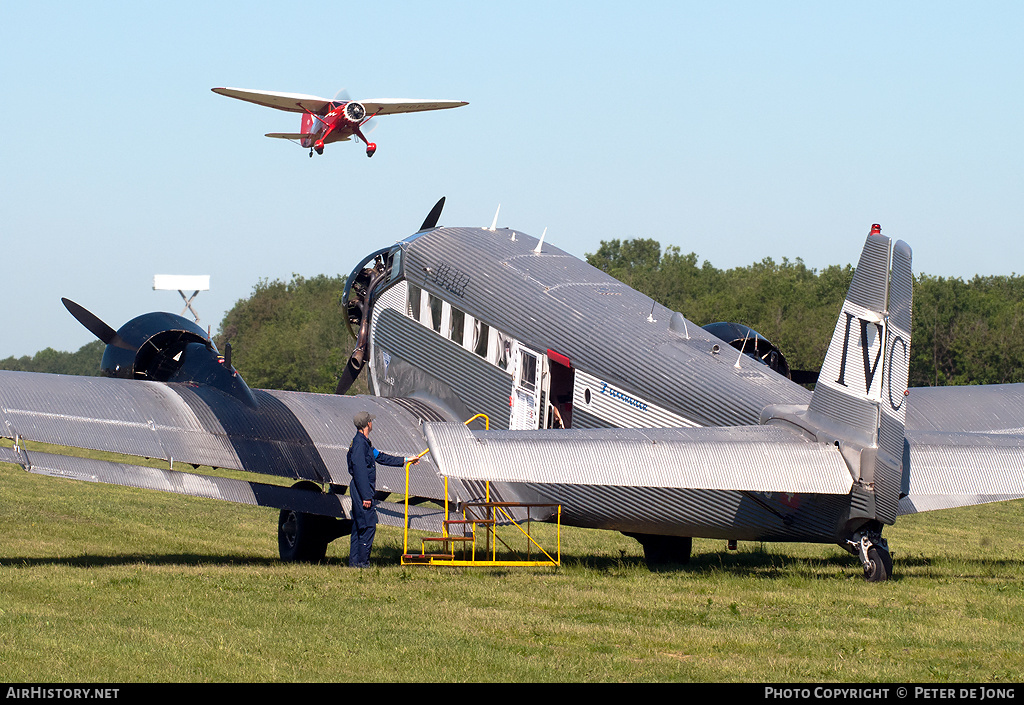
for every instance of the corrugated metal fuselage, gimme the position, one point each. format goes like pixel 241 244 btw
pixel 479 322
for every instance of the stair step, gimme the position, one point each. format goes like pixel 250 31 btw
pixel 425 557
pixel 448 538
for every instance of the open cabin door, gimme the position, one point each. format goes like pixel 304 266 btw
pixel 558 391
pixel 529 371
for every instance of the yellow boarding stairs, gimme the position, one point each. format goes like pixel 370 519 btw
pixel 478 518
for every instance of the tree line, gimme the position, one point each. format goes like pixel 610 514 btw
pixel 964 332
pixel 292 335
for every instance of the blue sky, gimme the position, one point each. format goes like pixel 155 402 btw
pixel 737 130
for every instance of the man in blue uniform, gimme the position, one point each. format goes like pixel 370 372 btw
pixel 362 466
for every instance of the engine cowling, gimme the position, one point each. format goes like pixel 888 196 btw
pixel 354 112
pixel 163 347
pixel 752 343
pixel 151 346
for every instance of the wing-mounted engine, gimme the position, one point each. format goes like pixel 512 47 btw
pixel 163 347
pixel 754 345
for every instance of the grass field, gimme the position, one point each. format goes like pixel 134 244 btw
pixel 109 584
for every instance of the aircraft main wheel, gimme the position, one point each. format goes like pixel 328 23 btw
pixel 661 551
pixel 880 565
pixel 302 537
pixel 370 149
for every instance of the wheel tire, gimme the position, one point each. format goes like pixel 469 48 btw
pixel 880 568
pixel 301 537
pixel 663 551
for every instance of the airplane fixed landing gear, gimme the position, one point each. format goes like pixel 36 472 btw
pixel 370 149
pixel 874 555
pixel 663 552
pixel 303 537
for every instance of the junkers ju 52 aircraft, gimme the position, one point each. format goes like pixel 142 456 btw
pixel 626 414
pixel 339 120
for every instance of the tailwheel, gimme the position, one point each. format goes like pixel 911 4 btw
pixel 873 552
pixel 370 149
pixel 879 567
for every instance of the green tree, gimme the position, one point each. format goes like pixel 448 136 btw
pixel 290 336
pixel 84 362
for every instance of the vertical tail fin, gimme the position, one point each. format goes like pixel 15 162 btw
pixel 860 393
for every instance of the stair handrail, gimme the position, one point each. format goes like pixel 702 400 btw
pixel 444 526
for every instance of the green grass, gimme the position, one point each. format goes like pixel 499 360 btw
pixel 102 583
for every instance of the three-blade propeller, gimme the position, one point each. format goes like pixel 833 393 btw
pixel 94 325
pixel 360 307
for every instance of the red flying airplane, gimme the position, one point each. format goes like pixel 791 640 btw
pixel 325 121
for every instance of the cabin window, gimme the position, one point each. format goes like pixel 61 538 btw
pixel 413 309
pixel 502 350
pixel 528 371
pixel 435 305
pixel 456 325
pixel 481 336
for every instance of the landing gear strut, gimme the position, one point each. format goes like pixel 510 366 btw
pixel 873 552
pixel 303 537
pixel 663 551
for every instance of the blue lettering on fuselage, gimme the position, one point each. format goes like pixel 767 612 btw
pixel 605 389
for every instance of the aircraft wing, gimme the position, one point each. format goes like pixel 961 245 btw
pixel 990 408
pixel 300 136
pixel 293 435
pixel 647 480
pixel 949 470
pixel 632 479
pixel 291 102
pixel 391 106
pixel 752 458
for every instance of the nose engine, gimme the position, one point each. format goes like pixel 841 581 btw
pixel 354 112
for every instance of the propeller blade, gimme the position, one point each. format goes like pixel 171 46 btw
pixel 350 373
pixel 92 323
pixel 433 216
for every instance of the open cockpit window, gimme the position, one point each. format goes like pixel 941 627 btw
pixel 394 264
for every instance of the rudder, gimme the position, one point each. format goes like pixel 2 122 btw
pixel 861 391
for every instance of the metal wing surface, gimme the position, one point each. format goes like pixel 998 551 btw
pixel 754 458
pixel 948 470
pixel 965 446
pixel 291 102
pixel 290 434
pixel 992 408
pixel 737 482
pixel 392 106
